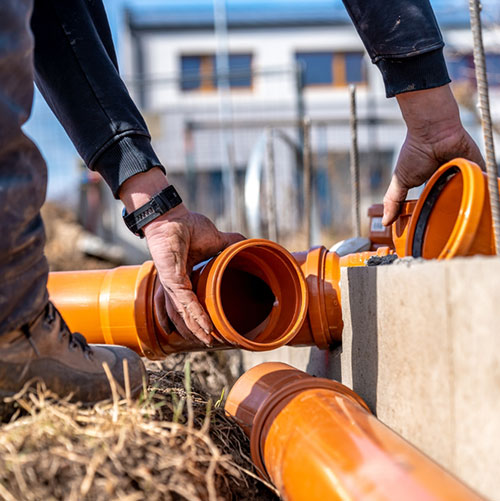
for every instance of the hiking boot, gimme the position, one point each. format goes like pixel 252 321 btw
pixel 47 351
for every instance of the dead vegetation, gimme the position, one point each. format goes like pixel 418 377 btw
pixel 176 443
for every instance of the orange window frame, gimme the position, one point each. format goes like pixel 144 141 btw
pixel 208 72
pixel 339 71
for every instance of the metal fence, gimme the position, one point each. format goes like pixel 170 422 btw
pixel 258 134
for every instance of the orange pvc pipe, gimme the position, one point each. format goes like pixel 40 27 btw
pixel 316 439
pixel 452 217
pixel 254 292
pixel 380 235
pixel 360 258
pixel 399 229
pixel 393 236
pixel 324 324
pixel 321 268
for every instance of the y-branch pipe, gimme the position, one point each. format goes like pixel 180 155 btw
pixel 258 296
pixel 254 292
pixel 452 216
pixel 316 439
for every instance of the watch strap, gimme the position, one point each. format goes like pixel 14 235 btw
pixel 158 205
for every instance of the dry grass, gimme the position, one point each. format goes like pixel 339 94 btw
pixel 173 444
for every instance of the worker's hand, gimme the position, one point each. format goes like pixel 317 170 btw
pixel 435 135
pixel 177 241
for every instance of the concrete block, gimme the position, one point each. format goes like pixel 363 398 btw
pixel 474 305
pixel 421 344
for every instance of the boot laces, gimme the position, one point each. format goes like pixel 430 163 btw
pixel 25 329
pixel 75 339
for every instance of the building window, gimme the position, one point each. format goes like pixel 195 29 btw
pixel 317 67
pixel 461 68
pixel 191 72
pixel 332 68
pixel 354 68
pixel 493 69
pixel 199 72
pixel 240 67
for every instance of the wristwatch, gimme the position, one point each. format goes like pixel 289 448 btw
pixel 159 204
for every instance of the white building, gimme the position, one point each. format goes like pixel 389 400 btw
pixel 168 58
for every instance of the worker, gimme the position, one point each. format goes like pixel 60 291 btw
pixel 66 46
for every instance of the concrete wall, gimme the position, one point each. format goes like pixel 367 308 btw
pixel 421 345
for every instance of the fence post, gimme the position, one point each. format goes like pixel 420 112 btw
pixel 272 222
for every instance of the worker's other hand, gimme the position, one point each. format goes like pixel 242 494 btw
pixel 435 135
pixel 177 240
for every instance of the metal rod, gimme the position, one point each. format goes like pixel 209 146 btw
pixel 484 107
pixel 272 222
pixel 355 197
pixel 308 185
pixel 225 112
pixel 260 124
pixel 235 73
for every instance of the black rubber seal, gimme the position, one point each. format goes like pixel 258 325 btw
pixel 423 219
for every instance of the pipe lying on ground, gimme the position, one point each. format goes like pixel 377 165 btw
pixel 317 440
pixel 258 296
pixel 254 292
pixel 452 216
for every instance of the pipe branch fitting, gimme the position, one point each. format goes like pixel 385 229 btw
pixel 254 292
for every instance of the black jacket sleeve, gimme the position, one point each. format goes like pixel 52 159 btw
pixel 77 72
pixel 403 39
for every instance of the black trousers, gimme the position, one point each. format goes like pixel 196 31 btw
pixel 23 176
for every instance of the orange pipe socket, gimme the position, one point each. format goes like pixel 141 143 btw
pixel 452 217
pixel 324 324
pixel 254 292
pixel 380 235
pixel 393 236
pixel 316 439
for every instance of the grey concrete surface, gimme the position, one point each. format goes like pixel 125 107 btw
pixel 421 345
